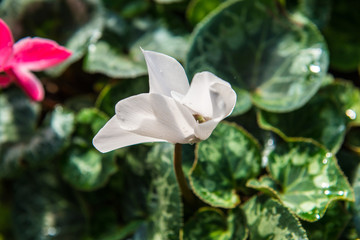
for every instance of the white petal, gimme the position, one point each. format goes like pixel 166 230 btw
pixel 210 96
pixel 165 74
pixel 111 137
pixel 204 130
pixel 156 116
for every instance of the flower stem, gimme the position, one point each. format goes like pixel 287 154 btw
pixel 180 177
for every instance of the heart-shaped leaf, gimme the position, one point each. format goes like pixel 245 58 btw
pixel 279 58
pixel 268 219
pixel 305 177
pixel 224 162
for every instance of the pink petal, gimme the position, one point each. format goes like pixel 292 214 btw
pixel 37 54
pixel 6 43
pixel 4 81
pixel 28 82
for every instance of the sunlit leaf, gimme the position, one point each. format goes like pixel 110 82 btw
pixel 280 59
pixel 268 219
pixel 224 162
pixel 305 177
pixel 199 9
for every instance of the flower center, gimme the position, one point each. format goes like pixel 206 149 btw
pixel 199 118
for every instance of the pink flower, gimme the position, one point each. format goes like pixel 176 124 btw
pixel 28 54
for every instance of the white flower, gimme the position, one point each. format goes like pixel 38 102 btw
pixel 172 111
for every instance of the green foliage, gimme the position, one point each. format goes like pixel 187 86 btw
pixel 279 59
pixel 285 165
pixel 268 219
pixel 84 167
pixel 221 168
pixel 305 177
pixel 218 225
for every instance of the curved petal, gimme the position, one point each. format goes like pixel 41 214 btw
pixel 4 81
pixel 28 82
pixel 156 116
pixel 204 130
pixel 6 43
pixel 210 96
pixel 165 74
pixel 112 137
pixel 37 54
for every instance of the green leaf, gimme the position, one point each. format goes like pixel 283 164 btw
pixel 305 177
pixel 318 11
pixel 163 40
pixel 321 119
pixel 347 96
pixel 128 61
pixel 113 93
pixel 268 219
pixel 353 139
pixel 199 9
pixel 348 161
pixel 81 41
pixel 123 232
pixel 18 116
pixel 280 59
pixel 43 144
pixel 168 1
pixel 224 162
pixel 243 102
pixel 211 223
pixel 120 66
pixel 331 225
pixel 43 209
pixel 84 167
pixel 48 142
pixel 164 200
pixel 88 170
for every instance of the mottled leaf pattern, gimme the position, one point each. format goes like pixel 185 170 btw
pixel 307 178
pixel 268 219
pixel 211 223
pixel 163 200
pixel 223 167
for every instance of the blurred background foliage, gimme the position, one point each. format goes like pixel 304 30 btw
pixel 283 166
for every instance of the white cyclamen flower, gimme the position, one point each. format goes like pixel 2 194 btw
pixel 172 111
